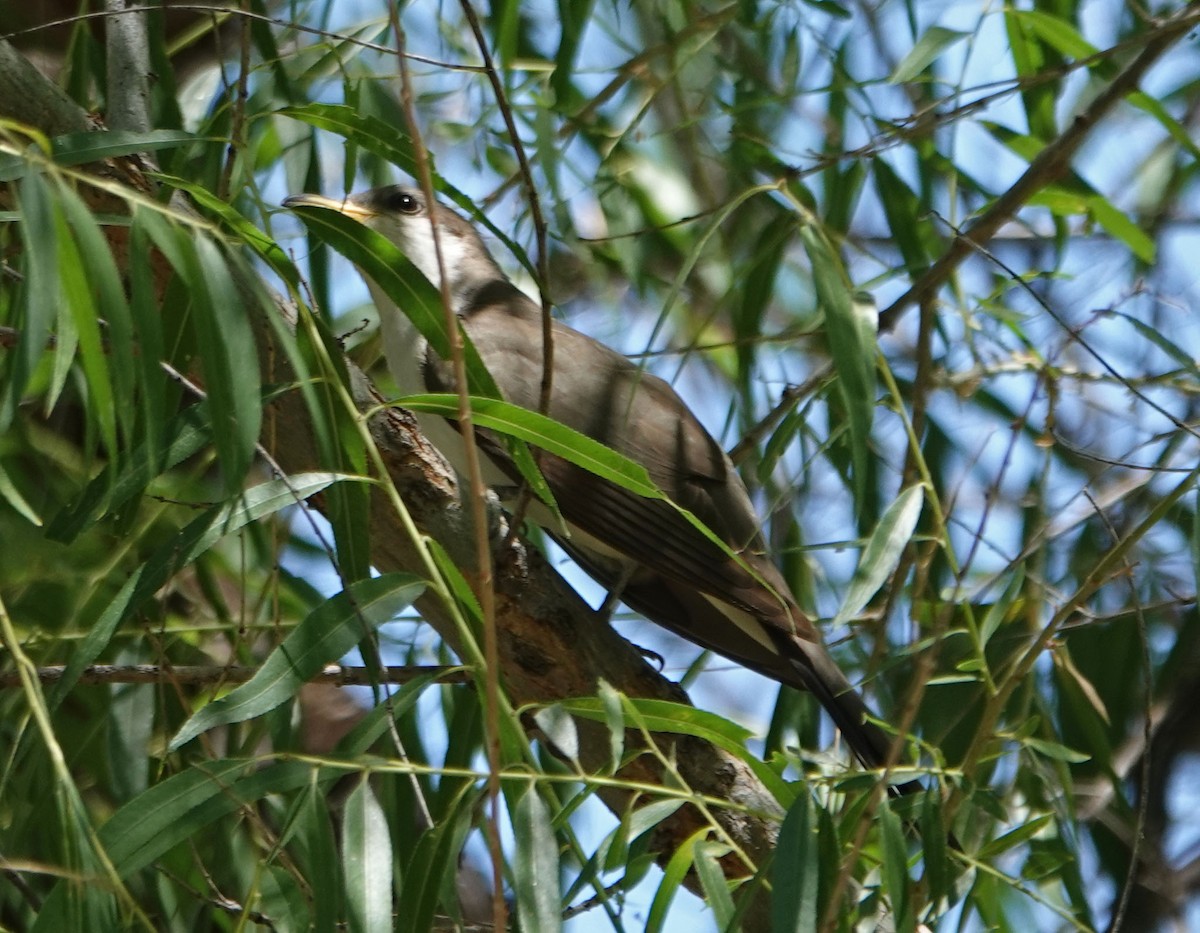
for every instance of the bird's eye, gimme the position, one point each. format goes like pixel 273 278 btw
pixel 404 203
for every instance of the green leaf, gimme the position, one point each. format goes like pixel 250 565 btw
pixel 712 879
pixel 88 146
pixel 933 836
pixel 573 18
pixel 830 7
pixel 435 860
pixel 1016 837
pixel 925 51
pixel 678 718
pixel 895 865
pixel 904 215
pixel 228 356
pixel 239 225
pixel 559 728
pixel 1056 751
pixel 1056 33
pixel 367 862
pixel 546 433
pixel 39 298
pixel 80 308
pixel 850 328
pixel 883 552
pixel 155 396
pixel 1154 107
pixel 1118 225
pixel 795 874
pixel 328 632
pixel 168 813
pixel 535 866
pixel 318 856
pixel 677 869
pixel 13 497
pixel 104 283
pixel 614 713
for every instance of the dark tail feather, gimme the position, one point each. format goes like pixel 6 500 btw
pixel 825 680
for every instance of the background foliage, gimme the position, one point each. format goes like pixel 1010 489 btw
pixel 711 181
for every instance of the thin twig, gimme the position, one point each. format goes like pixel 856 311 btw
pixel 477 492
pixel 209 674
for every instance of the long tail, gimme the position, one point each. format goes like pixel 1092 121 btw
pixel 824 679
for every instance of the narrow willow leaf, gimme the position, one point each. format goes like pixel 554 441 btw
pixel 895 865
pixel 677 718
pixel 79 304
pixel 614 719
pixel 80 148
pixel 925 52
pixel 795 874
pixel 130 729
pixel 319 858
pixel 10 494
pixel 377 722
pixel 1154 107
pixel 546 433
pixel 41 304
pixel 1057 33
pixel 883 552
pixel 535 865
pixel 573 20
pixel 435 861
pixel 904 215
pixel 1016 837
pixel 999 610
pixel 367 862
pixel 104 281
pixel 937 873
pixel 153 391
pixel 229 358
pixel 1120 227
pixel 169 813
pixel 237 224
pixel 677 869
pixel 1057 751
pixel 559 728
pixel 713 881
pixel 328 632
pixel 850 328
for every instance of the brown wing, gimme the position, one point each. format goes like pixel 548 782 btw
pixel 643 418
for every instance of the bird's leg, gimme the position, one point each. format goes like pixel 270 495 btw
pixel 609 606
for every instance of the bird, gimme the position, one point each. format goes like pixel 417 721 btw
pixel 729 599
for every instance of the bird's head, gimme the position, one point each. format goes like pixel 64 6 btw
pixel 404 216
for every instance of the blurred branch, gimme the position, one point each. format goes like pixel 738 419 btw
pixel 218 674
pixel 127 99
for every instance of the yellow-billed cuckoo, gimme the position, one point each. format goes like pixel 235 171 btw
pixel 671 572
